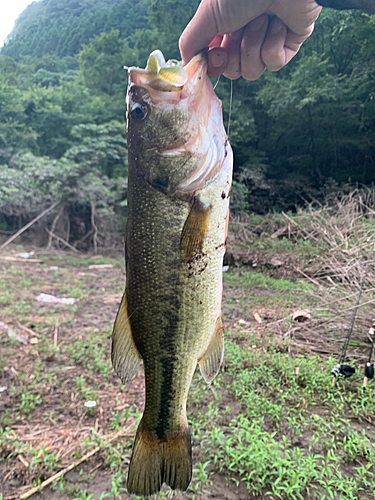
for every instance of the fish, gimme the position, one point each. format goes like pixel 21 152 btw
pixel 179 182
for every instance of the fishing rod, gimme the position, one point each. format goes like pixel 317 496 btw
pixel 345 371
pixel 369 368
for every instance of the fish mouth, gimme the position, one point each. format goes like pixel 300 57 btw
pixel 169 76
pixel 164 85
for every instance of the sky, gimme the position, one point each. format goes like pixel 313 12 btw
pixel 9 11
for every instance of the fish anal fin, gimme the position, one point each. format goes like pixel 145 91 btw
pixel 156 461
pixel 194 230
pixel 125 355
pixel 211 360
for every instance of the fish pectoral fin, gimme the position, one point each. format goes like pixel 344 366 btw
pixel 194 230
pixel 125 355
pixel 211 360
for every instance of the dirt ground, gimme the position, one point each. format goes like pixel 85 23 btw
pixel 56 357
pixel 61 423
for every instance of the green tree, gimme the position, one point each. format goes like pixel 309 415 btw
pixel 169 18
pixel 102 62
pixel 102 146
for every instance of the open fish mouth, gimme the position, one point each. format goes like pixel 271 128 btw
pixel 162 75
pixel 175 111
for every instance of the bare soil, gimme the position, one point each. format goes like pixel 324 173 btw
pixel 57 337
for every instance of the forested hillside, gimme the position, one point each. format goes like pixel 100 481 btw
pixel 296 133
pixel 61 27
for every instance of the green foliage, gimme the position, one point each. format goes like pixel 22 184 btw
pixel 169 18
pixel 62 27
pixel 313 120
pixel 102 146
pixel 83 191
pixel 102 62
pixel 15 133
pixel 62 87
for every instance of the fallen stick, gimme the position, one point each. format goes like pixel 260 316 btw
pixel 53 235
pixel 18 233
pixel 50 480
pixel 290 219
pixel 55 334
pixel 278 233
pixel 83 239
pixel 28 330
pixel 308 277
pixel 17 259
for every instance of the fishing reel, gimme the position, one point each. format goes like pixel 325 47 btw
pixel 342 371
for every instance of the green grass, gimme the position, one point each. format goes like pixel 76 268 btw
pixel 249 279
pixel 290 436
pixel 271 425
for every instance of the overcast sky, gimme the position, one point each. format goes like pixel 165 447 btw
pixel 9 11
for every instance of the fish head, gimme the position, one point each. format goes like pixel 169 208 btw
pixel 175 129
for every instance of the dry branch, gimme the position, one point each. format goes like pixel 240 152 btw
pixel 53 478
pixel 344 231
pixel 62 241
pixel 95 237
pixel 54 222
pixel 18 259
pixel 18 233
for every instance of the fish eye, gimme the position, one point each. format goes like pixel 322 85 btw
pixel 139 112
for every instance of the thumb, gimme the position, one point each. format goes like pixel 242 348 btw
pixel 201 30
pixel 218 16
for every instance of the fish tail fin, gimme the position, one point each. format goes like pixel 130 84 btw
pixel 156 461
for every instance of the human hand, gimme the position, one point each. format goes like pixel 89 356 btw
pixel 244 39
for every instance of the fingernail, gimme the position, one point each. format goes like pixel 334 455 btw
pixel 276 27
pixel 217 61
pixel 217 57
pixel 257 23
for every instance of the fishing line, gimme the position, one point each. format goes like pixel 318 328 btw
pixel 217 81
pixel 213 391
pixel 230 106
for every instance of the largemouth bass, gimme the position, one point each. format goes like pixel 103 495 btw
pixel 180 171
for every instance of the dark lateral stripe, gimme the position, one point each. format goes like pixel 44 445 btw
pixel 164 410
pixel 169 347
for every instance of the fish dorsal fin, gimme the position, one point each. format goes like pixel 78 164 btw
pixel 210 362
pixel 125 355
pixel 194 230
